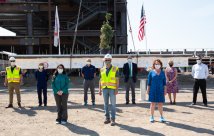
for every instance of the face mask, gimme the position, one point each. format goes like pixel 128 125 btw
pixel 107 62
pixel 198 61
pixel 157 66
pixel 88 63
pixel 13 64
pixel 60 70
pixel 129 60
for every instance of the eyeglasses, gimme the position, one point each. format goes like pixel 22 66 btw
pixel 12 61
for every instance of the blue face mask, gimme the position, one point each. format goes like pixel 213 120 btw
pixel 129 60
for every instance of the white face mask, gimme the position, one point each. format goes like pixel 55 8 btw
pixel 13 64
pixel 129 60
pixel 88 63
pixel 157 66
pixel 108 63
pixel 60 70
pixel 198 61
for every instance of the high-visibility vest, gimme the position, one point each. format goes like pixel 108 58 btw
pixel 110 80
pixel 13 76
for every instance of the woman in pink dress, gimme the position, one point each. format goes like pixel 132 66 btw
pixel 171 79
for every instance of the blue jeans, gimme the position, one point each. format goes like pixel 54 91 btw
pixel 109 93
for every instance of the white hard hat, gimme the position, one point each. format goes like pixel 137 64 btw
pixel 12 58
pixel 108 56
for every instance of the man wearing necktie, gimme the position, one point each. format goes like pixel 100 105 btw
pixel 130 74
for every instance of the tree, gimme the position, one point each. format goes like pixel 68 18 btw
pixel 106 33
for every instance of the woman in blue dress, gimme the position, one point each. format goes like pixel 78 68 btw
pixel 156 89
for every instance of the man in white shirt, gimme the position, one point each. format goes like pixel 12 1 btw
pixel 200 73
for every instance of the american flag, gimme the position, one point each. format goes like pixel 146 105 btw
pixel 141 32
pixel 56 29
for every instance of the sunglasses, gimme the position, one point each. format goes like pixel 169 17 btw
pixel 12 61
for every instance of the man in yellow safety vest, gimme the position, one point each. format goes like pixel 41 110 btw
pixel 12 80
pixel 109 83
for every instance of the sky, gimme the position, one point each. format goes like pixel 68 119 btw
pixel 173 24
pixel 5 32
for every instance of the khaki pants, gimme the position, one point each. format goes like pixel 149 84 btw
pixel 11 87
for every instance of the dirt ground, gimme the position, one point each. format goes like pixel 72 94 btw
pixel 31 120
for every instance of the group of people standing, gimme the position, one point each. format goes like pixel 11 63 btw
pixel 159 84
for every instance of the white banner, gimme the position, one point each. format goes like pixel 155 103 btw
pixel 52 63
pixel 56 29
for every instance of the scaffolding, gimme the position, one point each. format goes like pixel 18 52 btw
pixel 33 22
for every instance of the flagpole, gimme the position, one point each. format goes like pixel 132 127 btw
pixel 130 28
pixel 146 39
pixel 131 32
pixel 75 34
pixel 145 29
pixel 59 47
pixel 75 31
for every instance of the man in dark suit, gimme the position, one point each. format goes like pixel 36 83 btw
pixel 130 73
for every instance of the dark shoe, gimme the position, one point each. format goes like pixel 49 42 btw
pixel 193 103
pixel 127 103
pixel 45 105
pixel 113 122
pixel 174 103
pixel 9 106
pixel 19 104
pixel 93 103
pixel 133 103
pixel 205 105
pixel 63 122
pixel 107 121
pixel 58 121
pixel 40 105
pixel 171 102
pixel 85 104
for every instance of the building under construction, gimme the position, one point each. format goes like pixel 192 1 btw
pixel 33 23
